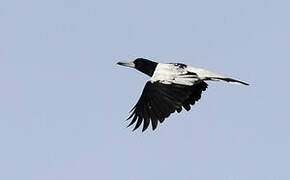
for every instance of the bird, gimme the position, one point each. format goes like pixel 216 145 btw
pixel 171 88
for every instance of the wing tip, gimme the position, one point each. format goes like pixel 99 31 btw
pixel 230 80
pixel 240 83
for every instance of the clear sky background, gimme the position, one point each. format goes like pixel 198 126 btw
pixel 63 99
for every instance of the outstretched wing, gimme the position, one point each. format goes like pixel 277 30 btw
pixel 159 100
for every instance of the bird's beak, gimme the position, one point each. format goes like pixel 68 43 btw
pixel 127 64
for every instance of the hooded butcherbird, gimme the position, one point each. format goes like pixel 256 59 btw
pixel 172 86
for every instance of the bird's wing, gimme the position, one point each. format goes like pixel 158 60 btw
pixel 159 100
pixel 207 75
pixel 174 73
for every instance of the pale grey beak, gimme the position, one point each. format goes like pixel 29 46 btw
pixel 127 64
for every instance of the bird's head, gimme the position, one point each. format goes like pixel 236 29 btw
pixel 144 65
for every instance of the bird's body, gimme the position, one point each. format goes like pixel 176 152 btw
pixel 171 87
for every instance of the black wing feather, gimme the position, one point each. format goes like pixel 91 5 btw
pixel 146 117
pixel 159 100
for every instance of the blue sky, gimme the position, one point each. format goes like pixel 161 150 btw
pixel 63 99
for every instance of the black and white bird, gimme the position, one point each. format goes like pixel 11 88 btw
pixel 172 86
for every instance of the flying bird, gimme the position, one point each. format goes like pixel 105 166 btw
pixel 172 86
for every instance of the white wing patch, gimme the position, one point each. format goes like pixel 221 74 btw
pixel 173 73
pixel 207 75
pixel 186 75
pixel 203 74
